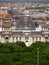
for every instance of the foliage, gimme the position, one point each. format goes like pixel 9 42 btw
pixel 18 54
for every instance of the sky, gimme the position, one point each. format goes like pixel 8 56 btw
pixel 24 0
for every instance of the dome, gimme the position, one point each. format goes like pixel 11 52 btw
pixel 26 24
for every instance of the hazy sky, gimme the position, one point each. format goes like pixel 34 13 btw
pixel 27 0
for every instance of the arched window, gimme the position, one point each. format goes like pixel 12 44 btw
pixel 46 38
pixel 7 39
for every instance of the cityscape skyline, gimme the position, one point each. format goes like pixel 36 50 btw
pixel 24 0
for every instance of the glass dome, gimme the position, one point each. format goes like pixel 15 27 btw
pixel 25 24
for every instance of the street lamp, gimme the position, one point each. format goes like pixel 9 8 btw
pixel 37 56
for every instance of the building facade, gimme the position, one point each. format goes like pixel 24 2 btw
pixel 25 30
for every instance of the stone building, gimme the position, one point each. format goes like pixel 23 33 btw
pixel 26 30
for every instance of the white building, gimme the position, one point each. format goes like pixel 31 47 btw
pixel 26 30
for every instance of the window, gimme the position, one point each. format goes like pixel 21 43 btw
pixel 13 39
pixel 26 41
pixel 26 38
pixel 46 39
pixel 20 38
pixel 6 32
pixel 36 38
pixel 39 38
pixel 33 39
pixel 7 39
pixel 16 38
pixel 6 29
pixel 48 28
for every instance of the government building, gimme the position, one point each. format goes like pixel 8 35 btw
pixel 23 29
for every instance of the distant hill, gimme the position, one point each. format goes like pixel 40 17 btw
pixel 24 0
